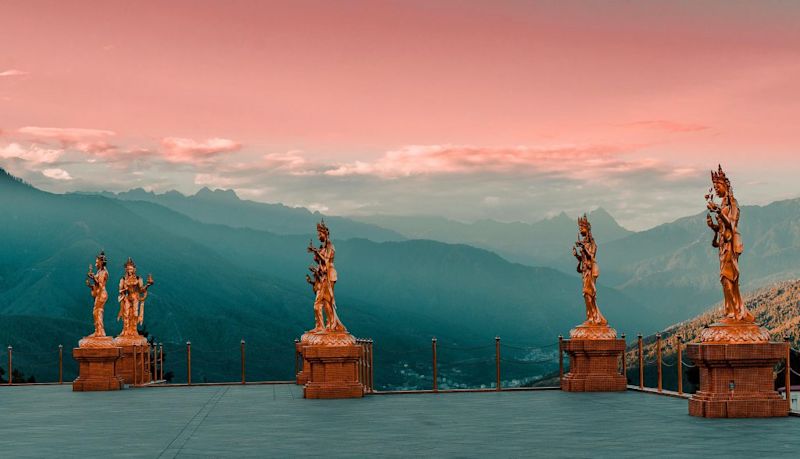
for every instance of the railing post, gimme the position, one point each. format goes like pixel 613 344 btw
pixel 60 363
pixel 145 363
pixel 371 362
pixel 658 356
pixel 188 363
pixel 680 365
pixel 155 362
pixel 625 360
pixel 362 355
pixel 435 374
pixel 161 359
pixel 135 366
pixel 10 367
pixel 497 361
pixel 296 358
pixel 788 371
pixel 641 364
pixel 560 359
pixel 243 362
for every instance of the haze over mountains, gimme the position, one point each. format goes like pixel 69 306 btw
pixel 216 284
pixel 227 268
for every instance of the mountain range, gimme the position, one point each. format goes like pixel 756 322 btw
pixel 216 284
pixel 227 268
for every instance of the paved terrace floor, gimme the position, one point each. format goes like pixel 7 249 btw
pixel 274 421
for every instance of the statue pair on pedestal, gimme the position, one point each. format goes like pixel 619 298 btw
pixel 105 362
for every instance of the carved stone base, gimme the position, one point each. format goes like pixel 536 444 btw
pixel 591 331
pixel 732 331
pixel 594 365
pixel 736 380
pixel 333 372
pixel 96 341
pixel 328 338
pixel 97 369
pixel 125 366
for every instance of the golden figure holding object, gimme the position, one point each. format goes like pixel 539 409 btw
pixel 97 285
pixel 328 328
pixel 738 325
pixel 585 251
pixel 132 295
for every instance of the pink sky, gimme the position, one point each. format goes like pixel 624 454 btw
pixel 192 93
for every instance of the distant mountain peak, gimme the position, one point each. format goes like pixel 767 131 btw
pixel 218 194
pixel 8 179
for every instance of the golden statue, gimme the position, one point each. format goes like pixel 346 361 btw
pixel 132 295
pixel 97 286
pixel 585 251
pixel 738 323
pixel 330 331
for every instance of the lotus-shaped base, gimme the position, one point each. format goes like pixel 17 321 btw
pixel 592 331
pixel 327 338
pixel 96 341
pixel 734 331
pixel 130 340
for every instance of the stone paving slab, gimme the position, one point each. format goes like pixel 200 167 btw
pixel 275 421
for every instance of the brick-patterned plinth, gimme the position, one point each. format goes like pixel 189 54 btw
pixel 305 370
pixel 97 369
pixel 594 365
pixel 736 380
pixel 125 368
pixel 333 371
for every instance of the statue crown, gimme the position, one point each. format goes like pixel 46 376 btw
pixel 322 227
pixel 720 177
pixel 130 262
pixel 583 222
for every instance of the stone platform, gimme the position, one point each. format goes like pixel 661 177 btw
pixel 333 371
pixel 736 380
pixel 97 367
pixel 274 420
pixel 594 365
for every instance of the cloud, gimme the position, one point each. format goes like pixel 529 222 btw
pixel 12 72
pixel 183 150
pixel 57 174
pixel 573 161
pixel 92 141
pixel 34 154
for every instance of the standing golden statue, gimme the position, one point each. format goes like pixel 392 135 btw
pixel 328 329
pixel 585 251
pixel 729 243
pixel 97 286
pixel 132 295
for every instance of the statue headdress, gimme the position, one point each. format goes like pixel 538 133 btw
pixel 102 258
pixel 720 177
pixel 130 263
pixel 323 228
pixel 583 222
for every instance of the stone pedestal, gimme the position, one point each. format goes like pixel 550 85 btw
pixel 305 369
pixel 125 366
pixel 736 380
pixel 594 365
pixel 97 368
pixel 333 371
